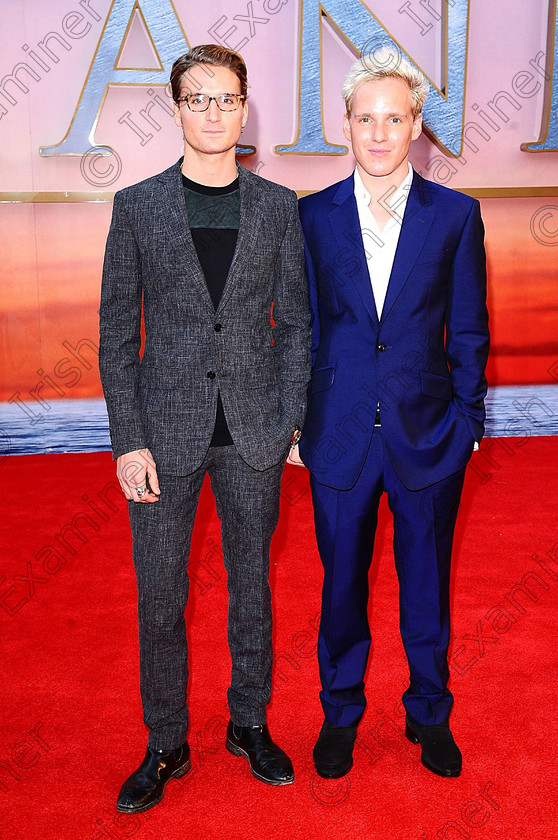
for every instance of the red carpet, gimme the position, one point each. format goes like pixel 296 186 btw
pixel 71 726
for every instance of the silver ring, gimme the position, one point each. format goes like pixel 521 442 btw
pixel 141 491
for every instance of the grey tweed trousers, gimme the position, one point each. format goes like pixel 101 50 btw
pixel 248 507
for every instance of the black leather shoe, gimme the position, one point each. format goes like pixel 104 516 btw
pixel 440 753
pixel 145 787
pixel 268 762
pixel 333 753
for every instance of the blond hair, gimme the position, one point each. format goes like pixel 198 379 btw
pixel 386 63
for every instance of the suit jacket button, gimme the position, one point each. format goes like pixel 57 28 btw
pixel 382 347
pixel 211 374
pixel 218 327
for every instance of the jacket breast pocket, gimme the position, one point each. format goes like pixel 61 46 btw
pixel 433 385
pixel 440 256
pixel 321 380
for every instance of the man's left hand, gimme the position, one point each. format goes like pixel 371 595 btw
pixel 294 458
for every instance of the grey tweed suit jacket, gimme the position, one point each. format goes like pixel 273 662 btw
pixel 166 400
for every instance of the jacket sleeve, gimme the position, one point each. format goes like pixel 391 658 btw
pixel 291 317
pixel 120 332
pixel 467 336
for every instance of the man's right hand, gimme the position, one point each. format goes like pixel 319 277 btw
pixel 133 471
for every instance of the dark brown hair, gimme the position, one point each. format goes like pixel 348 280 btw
pixel 207 55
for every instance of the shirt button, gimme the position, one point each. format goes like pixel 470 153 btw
pixel 382 347
pixel 211 374
pixel 218 327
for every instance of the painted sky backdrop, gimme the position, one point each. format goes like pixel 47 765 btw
pixel 51 253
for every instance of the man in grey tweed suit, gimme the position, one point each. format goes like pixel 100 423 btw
pixel 207 250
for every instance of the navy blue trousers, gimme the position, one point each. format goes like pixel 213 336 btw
pixel 424 523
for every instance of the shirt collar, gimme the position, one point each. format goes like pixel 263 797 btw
pixel 400 195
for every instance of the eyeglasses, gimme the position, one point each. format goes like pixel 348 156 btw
pixel 201 101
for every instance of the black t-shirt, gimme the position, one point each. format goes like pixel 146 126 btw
pixel 213 218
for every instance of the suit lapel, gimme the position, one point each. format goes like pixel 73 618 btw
pixel 176 221
pixel 417 221
pixel 248 232
pixel 351 258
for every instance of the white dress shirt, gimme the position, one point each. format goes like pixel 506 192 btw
pixel 380 245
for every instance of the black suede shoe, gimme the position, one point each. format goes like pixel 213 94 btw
pixel 268 762
pixel 440 753
pixel 333 753
pixel 145 787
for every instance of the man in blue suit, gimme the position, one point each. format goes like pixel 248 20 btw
pixel 397 278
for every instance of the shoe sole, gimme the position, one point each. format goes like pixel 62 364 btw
pixel 181 771
pixel 236 750
pixel 333 774
pixel 446 774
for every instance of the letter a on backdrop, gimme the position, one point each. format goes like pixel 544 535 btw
pixel 168 40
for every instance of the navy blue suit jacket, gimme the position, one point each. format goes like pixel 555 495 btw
pixel 423 361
